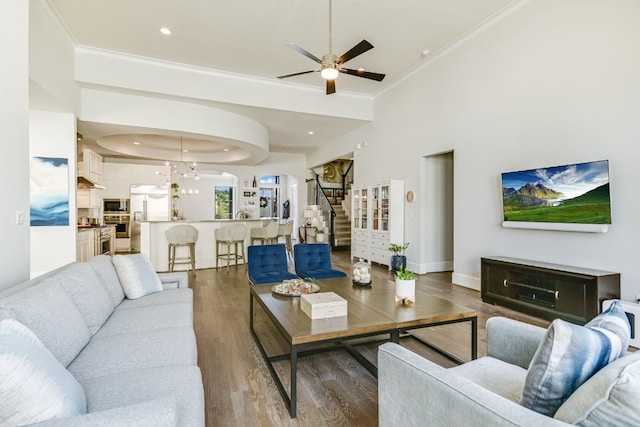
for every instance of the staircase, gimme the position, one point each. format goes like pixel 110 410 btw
pixel 342 229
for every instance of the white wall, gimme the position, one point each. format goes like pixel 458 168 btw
pixel 51 62
pixel 14 136
pixel 549 84
pixel 54 135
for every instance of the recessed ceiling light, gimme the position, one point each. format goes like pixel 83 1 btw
pixel 425 52
pixel 165 31
pixel 136 143
pixel 185 151
pixel 310 132
pixel 226 149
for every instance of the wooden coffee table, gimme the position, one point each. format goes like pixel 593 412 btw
pixel 371 311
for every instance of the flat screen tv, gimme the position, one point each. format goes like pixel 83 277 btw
pixel 569 194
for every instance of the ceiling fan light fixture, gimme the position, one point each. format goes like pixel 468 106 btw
pixel 329 73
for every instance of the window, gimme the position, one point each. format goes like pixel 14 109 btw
pixel 270 179
pixel 224 203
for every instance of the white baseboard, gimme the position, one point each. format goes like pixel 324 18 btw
pixel 431 267
pixel 466 281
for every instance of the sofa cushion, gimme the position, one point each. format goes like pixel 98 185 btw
pixel 170 296
pixel 610 397
pixel 137 350
pixel 482 371
pixel 49 312
pixel 148 318
pixel 35 386
pixel 569 355
pixel 136 275
pixel 183 382
pixel 87 293
pixel 108 276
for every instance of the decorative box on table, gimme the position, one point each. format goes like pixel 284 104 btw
pixel 323 305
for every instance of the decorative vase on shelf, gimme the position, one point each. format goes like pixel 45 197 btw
pixel 255 184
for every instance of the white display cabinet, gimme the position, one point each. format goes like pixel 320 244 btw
pixel 377 220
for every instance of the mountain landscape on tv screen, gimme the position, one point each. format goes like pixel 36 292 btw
pixel 576 194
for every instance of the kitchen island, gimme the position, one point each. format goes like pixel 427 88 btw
pixel 153 241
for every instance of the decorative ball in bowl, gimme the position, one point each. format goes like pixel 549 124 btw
pixel 361 274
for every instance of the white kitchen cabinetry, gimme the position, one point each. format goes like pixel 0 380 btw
pixel 91 166
pixel 86 244
pixel 89 197
pixel 377 220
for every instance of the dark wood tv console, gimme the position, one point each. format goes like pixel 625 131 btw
pixel 548 291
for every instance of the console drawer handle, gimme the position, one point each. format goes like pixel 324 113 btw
pixel 504 283
pixel 557 294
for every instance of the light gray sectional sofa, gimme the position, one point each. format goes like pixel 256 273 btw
pixel 412 391
pixel 75 351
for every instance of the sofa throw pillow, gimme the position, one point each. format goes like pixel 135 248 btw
pixel 609 398
pixel 35 387
pixel 136 275
pixel 569 355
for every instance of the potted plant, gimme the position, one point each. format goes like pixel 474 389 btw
pixel 319 235
pixel 405 286
pixel 398 259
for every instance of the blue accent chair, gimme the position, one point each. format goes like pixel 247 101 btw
pixel 268 264
pixel 314 260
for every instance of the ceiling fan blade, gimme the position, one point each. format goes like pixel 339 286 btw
pixel 304 52
pixel 358 49
pixel 361 73
pixel 297 74
pixel 331 87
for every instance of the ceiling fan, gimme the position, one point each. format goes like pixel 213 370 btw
pixel 331 66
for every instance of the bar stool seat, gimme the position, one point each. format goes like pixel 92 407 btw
pixel 182 235
pixel 286 230
pixel 230 236
pixel 268 234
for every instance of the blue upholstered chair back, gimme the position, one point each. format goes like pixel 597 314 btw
pixel 268 264
pixel 314 260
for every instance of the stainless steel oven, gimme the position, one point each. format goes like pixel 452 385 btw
pixel 121 222
pixel 105 242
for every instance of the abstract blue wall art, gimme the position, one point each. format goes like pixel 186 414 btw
pixel 49 191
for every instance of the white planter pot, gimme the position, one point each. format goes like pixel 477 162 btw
pixel 406 290
pixel 320 237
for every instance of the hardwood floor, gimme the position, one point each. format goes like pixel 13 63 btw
pixel 333 389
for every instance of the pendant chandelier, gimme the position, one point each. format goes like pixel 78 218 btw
pixel 183 170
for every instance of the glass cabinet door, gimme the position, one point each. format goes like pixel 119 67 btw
pixel 384 208
pixel 364 206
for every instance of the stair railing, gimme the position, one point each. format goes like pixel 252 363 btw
pixel 323 203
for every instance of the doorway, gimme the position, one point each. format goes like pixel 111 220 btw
pixel 437 208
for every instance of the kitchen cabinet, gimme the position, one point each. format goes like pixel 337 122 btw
pixel 91 166
pixel 377 215
pixel 86 244
pixel 89 198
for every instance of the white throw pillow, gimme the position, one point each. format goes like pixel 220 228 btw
pixel 34 386
pixel 136 275
pixel 609 398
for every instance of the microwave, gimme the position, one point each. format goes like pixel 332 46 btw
pixel 116 206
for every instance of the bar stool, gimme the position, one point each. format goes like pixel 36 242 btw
pixel 268 234
pixel 182 235
pixel 285 230
pixel 230 235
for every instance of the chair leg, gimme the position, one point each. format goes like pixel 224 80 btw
pixel 192 254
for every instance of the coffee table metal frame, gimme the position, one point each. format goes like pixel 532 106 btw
pixel 300 349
